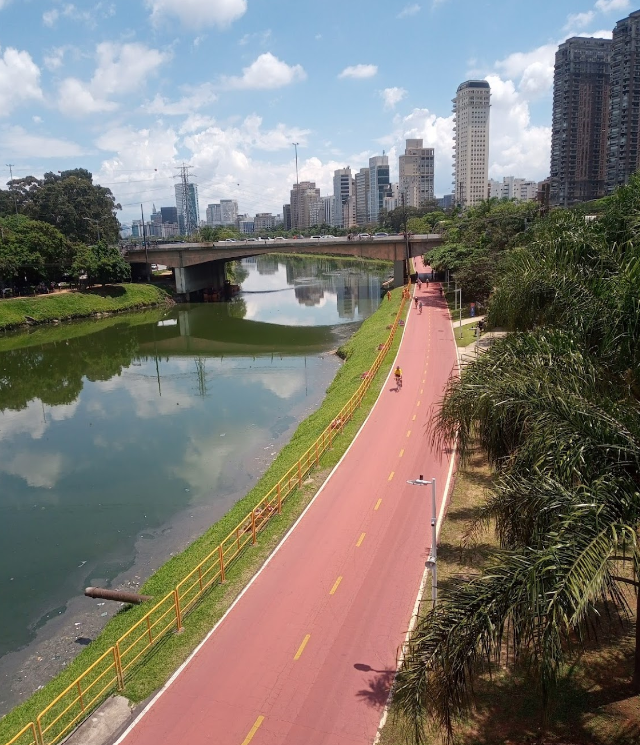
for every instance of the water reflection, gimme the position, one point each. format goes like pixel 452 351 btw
pixel 117 428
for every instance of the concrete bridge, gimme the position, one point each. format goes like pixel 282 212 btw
pixel 200 265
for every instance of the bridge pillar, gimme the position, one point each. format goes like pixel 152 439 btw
pixel 200 276
pixel 398 272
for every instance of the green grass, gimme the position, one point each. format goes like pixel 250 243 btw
pixel 66 305
pixel 594 703
pixel 467 336
pixel 359 353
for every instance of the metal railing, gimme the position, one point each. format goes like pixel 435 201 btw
pixel 109 671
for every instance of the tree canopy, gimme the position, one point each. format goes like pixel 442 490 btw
pixel 68 200
pixel 556 407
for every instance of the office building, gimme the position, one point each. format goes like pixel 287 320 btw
pixel 471 108
pixel 245 224
pixel 187 207
pixel 302 197
pixel 580 120
pixel 623 152
pixel 518 189
pixel 286 217
pixel 169 215
pixel 343 191
pixel 378 185
pixel 447 202
pixel 229 211
pixel 213 215
pixel 416 174
pixel 264 221
pixel 394 199
pixel 362 196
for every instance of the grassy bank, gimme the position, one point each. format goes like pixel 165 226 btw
pixel 594 703
pixel 63 306
pixel 359 353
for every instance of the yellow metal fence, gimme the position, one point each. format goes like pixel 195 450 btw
pixel 108 672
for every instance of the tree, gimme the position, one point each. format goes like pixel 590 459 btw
pixel 556 407
pixel 102 264
pixel 69 201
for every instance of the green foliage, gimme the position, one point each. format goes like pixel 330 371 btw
pixel 101 264
pixel 32 251
pixel 69 201
pixel 477 240
pixel 556 407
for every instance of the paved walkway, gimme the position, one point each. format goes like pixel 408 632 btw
pixel 308 653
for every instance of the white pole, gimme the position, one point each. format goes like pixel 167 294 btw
pixel 434 545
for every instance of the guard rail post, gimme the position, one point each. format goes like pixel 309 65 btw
pixel 176 601
pixel 221 562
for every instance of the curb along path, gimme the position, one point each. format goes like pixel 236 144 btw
pixel 308 652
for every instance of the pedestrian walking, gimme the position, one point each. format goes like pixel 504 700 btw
pixel 389 295
pixel 415 302
pixel 419 283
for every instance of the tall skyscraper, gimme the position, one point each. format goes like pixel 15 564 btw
pixel 623 153
pixel 213 214
pixel 302 197
pixel 169 215
pixel 579 121
pixel 228 211
pixel 471 149
pixel 187 207
pixel 378 184
pixel 362 196
pixel 416 174
pixel 343 191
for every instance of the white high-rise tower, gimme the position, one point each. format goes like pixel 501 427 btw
pixel 471 149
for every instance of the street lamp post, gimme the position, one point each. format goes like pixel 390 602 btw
pixel 458 300
pixel 433 554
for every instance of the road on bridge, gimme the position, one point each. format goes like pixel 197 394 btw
pixel 307 654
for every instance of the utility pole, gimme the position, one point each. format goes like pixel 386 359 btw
pixel 15 201
pixel 187 206
pixel 295 145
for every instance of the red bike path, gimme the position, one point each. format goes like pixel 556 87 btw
pixel 307 654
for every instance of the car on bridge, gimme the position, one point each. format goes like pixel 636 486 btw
pixel 364 235
pixel 380 235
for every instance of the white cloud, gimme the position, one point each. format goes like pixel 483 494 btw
pixel 4 3
pixel 266 73
pixel 121 69
pixel 55 59
pixel 516 147
pixel 198 13
pixel 392 96
pixel 409 10
pixel 19 80
pixel 41 471
pixel 359 71
pixel 21 144
pixel 579 20
pixel 195 98
pixel 50 17
pixel 608 6
pixel 534 69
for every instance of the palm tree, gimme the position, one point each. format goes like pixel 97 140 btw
pixel 556 407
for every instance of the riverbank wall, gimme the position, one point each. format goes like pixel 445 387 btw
pixel 65 306
pixel 362 363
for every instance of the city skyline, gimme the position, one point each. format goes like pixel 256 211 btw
pixel 132 91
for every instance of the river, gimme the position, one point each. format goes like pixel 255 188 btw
pixel 124 438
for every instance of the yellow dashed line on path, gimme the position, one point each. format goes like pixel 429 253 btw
pixel 409 433
pixel 391 475
pixel 335 587
pixel 359 543
pixel 413 418
pixel 401 453
pixel 378 503
pixel 302 646
pixel 421 390
pixel 253 730
pixel 418 404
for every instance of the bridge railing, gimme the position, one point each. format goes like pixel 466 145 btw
pixel 110 671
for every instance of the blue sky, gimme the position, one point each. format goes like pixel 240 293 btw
pixel 131 89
